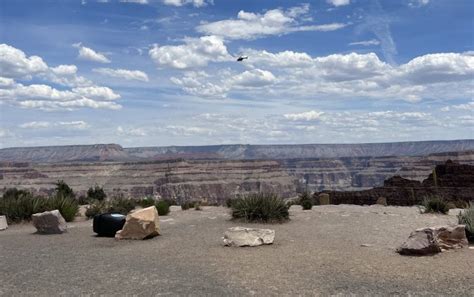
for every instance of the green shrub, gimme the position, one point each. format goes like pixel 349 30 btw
pixel 67 206
pixel 147 202
pixel 162 207
pixel 467 218
pixel 121 205
pixel 187 205
pixel 435 204
pixel 261 207
pixel 64 190
pixel 197 206
pixel 95 208
pixel 170 201
pixel 96 193
pixel 19 205
pixel 305 201
pixel 228 203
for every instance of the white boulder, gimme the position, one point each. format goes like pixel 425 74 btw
pixel 240 236
pixel 140 224
pixel 3 223
pixel 49 222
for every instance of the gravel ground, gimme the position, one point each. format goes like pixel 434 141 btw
pixel 329 250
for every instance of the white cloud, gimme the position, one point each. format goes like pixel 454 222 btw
pixel 195 3
pixel 76 125
pixel 466 106
pixel 366 42
pixel 339 2
pixel 88 54
pixel 130 131
pixel 123 73
pixel 342 76
pixel 254 78
pixel 135 1
pixel 195 52
pixel 15 64
pixel 304 116
pixel 250 25
pixel 418 3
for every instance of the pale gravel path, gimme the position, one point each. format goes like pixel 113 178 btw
pixel 318 252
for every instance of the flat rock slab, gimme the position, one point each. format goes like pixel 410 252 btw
pixel 428 241
pixel 240 236
pixel 3 223
pixel 49 222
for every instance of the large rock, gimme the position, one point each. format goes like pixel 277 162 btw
pixel 240 236
pixel 49 222
pixel 428 241
pixel 324 199
pixel 140 224
pixel 3 223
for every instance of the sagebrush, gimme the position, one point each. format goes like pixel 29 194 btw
pixel 435 204
pixel 467 218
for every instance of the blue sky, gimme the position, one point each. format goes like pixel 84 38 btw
pixel 164 72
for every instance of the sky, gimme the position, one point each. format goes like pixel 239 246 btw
pixel 165 72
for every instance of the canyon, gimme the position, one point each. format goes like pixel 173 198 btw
pixel 214 174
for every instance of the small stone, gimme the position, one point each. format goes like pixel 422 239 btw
pixel 240 236
pixel 49 222
pixel 3 223
pixel 366 245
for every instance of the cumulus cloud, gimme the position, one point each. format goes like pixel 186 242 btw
pixel 123 73
pixel 339 2
pixel 130 131
pixel 15 64
pixel 249 25
pixel 254 78
pixel 304 116
pixel 418 3
pixel 195 3
pixel 298 75
pixel 195 52
pixel 88 54
pixel 366 42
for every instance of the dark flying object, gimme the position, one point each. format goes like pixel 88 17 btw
pixel 241 58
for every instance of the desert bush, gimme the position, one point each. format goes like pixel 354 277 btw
pixel 96 193
pixel 170 201
pixel 305 201
pixel 67 205
pixel 162 207
pixel 64 190
pixel 187 205
pixel 146 202
pixel 18 205
pixel 261 207
pixel 95 208
pixel 228 203
pixel 467 218
pixel 121 205
pixel 197 205
pixel 435 204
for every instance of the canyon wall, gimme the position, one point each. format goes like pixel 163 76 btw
pixel 211 181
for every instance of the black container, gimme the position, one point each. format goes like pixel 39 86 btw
pixel 108 224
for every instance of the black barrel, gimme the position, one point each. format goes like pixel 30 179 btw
pixel 108 224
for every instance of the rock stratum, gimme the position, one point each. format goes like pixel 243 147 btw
pixel 216 173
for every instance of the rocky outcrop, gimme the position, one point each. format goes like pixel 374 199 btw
pixel 452 181
pixel 49 222
pixel 140 224
pixel 240 236
pixel 428 241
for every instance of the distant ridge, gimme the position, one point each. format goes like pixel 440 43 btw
pixel 115 152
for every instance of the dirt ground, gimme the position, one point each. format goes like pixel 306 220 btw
pixel 329 250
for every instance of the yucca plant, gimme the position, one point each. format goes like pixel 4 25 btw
pixel 467 218
pixel 68 206
pixel 261 207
